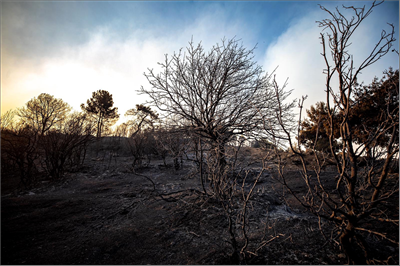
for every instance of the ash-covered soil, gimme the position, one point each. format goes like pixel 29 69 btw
pixel 107 214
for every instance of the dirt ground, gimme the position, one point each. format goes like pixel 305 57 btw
pixel 106 214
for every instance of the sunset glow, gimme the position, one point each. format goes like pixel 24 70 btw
pixel 106 47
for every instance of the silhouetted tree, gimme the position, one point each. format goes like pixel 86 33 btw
pixel 19 149
pixel 140 128
pixel 100 106
pixel 142 118
pixel 7 120
pixel 20 140
pixel 43 112
pixel 67 143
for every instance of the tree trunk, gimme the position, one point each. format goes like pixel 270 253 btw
pixel 349 245
pixel 219 170
pixel 201 166
pixel 235 257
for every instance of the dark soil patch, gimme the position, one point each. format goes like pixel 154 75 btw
pixel 105 214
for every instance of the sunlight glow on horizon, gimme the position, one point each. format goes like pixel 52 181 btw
pixel 104 62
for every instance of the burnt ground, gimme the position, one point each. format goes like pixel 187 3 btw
pixel 106 214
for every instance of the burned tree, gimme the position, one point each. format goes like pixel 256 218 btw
pixel 66 144
pixel 43 113
pixel 173 142
pixel 19 150
pixel 142 118
pixel 7 120
pixel 359 204
pixel 100 107
pixel 217 94
pixel 139 129
pixel 20 140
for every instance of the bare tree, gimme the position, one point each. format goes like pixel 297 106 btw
pixel 139 130
pixel 360 197
pixel 19 148
pixel 43 112
pixel 67 143
pixel 138 145
pixel 173 142
pixel 237 197
pixel 218 94
pixel 7 120
pixel 20 140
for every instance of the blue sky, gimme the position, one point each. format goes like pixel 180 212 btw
pixel 55 24
pixel 70 49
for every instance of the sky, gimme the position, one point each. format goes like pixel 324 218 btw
pixel 70 49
